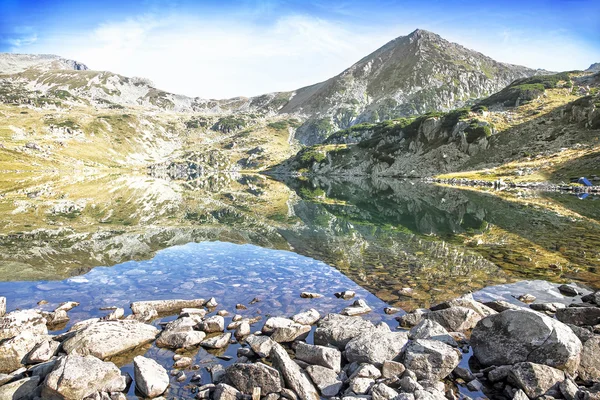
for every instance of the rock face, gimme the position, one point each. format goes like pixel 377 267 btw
pixel 430 359
pixel 150 377
pixel 519 336
pixel 294 377
pixel 165 306
pixel 246 377
pixel 589 369
pixel 320 355
pixel 337 330
pixel 375 347
pixel 106 339
pixel 75 378
pixel 535 379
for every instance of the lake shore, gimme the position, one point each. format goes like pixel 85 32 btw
pixel 522 348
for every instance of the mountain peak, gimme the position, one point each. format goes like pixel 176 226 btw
pixel 422 33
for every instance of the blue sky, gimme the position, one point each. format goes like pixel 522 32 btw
pixel 226 48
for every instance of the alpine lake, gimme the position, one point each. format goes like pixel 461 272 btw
pixel 107 239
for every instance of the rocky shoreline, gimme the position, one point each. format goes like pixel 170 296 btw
pixel 501 184
pixel 457 349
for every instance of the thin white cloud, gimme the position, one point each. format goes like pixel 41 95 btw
pixel 224 57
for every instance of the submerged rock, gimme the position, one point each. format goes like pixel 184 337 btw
pixel 165 306
pixel 75 377
pixel 519 336
pixel 151 378
pixel 107 339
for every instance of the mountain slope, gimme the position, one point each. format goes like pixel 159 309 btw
pixel 14 63
pixel 410 75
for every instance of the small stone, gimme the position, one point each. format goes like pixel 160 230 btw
pixel 391 310
pixel 392 369
pixel 429 329
pixel 181 377
pixel 346 294
pixel 242 331
pixel 67 306
pixel 183 362
pixel 366 371
pixel 359 307
pixel 309 317
pixel 211 303
pixel 223 313
pixel 319 355
pixel 463 373
pixel 217 342
pixel 116 314
pixel 381 391
pixel 240 307
pixel 310 295
pixel 475 385
pixel 526 298
pixel 213 324
pixel 569 290
pixel 226 392
pixel 361 385
pixel 429 359
pixel 261 345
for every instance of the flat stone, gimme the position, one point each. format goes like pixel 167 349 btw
pixel 276 322
pixel 75 377
pixel 165 306
pixel 107 339
pixel 502 305
pixel 328 357
pixel 294 377
pixel 375 347
pixel 309 317
pixel 535 379
pixel 217 342
pixel 337 330
pixel 310 295
pixel 429 329
pixel 67 306
pixel 392 369
pixel 429 359
pixel 23 389
pixel 455 319
pixel 151 378
pixel 247 377
pixel 186 312
pixel 580 316
pixel 546 307
pixel 181 339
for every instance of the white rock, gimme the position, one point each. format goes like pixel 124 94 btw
pixel 150 377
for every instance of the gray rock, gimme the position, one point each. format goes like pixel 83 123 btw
pixel 337 330
pixel 375 347
pixel 226 392
pixel 13 351
pixel 43 352
pixel 346 294
pixel 309 317
pixel 429 359
pixel 520 395
pixel 518 336
pixel 310 295
pixel 295 379
pixel 211 303
pixel 381 391
pixel 360 385
pixel 455 319
pixel 569 389
pixel 328 357
pixel 413 318
pixel 23 389
pixel 429 394
pixel 326 380
pixel 13 376
pixel 499 373
pixel 535 379
pixel 546 307
pixel 217 342
pixel 75 377
pixel 151 378
pixel 180 339
pixel 165 306
pixel 67 306
pixel 2 306
pixel 475 385
pixel 242 330
pixel 429 329
pixel 409 384
pixel 359 307
pixel 589 368
pixel 580 316
pixel 467 301
pixel 569 290
pixel 261 345
pixel 187 312
pixel 392 369
pixel 246 377
pixel 16 322
pixel 213 324
pixel 583 333
pixel 463 373
pixel 501 305
pixel 42 369
pixel 366 371
pixel 288 394
pixel 276 322
pixel 290 333
pixel 107 339
pixel 217 373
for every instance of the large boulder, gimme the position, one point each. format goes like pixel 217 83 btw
pixel 165 306
pixel 337 330
pixel 328 357
pixel 14 351
pixel 515 336
pixel 375 347
pixel 535 379
pixel 455 319
pixel 580 316
pixel 589 368
pixel 246 377
pixel 294 377
pixel 151 378
pixel 107 339
pixel 16 322
pixel 75 378
pixel 429 359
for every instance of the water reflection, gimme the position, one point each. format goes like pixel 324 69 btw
pixel 385 235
